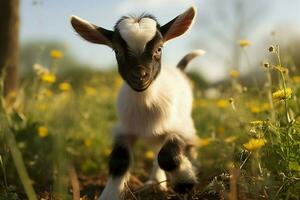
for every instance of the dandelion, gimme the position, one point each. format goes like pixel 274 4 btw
pixel 254 144
pixel 222 103
pixel 64 86
pixel 149 155
pixel 282 94
pixel 42 131
pixel 234 74
pixel 90 91
pixel 56 54
pixel 48 78
pixel 244 43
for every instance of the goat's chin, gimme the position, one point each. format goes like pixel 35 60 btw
pixel 139 89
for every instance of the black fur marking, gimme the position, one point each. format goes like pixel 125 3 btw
pixel 129 63
pixel 183 187
pixel 169 157
pixel 119 160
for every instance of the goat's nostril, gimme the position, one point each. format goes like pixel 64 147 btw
pixel 139 74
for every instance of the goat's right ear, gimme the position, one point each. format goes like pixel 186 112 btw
pixel 91 32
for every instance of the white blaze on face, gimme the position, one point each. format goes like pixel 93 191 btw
pixel 137 33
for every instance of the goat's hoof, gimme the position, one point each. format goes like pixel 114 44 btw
pixel 182 188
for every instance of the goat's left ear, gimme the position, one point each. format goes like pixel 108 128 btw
pixel 179 25
pixel 91 32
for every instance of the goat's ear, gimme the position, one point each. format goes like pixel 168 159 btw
pixel 179 25
pixel 91 32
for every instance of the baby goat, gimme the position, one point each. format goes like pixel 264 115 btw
pixel 154 103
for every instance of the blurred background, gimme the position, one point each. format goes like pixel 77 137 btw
pixel 218 27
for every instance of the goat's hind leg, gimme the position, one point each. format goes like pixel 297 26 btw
pixel 173 160
pixel 119 163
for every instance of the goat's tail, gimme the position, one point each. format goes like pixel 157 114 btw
pixel 187 58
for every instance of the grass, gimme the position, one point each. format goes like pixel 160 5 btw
pixel 55 138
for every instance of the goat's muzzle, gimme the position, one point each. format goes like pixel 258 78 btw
pixel 140 78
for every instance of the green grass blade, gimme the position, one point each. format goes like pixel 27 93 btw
pixel 20 166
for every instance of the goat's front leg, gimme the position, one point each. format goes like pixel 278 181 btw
pixel 119 163
pixel 173 160
pixel 157 174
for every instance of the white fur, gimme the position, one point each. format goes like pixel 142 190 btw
pixel 165 107
pixel 137 33
pixel 114 188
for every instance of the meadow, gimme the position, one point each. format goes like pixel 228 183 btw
pixel 55 136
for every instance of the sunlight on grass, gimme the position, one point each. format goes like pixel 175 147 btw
pixel 248 140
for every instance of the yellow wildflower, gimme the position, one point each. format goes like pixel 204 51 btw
pixel 222 103
pixel 48 78
pixel 64 86
pixel 90 91
pixel 244 43
pixel 282 94
pixel 234 74
pixel 254 144
pixel 42 131
pixel 56 54
pixel 149 155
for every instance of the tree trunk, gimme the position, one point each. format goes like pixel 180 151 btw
pixel 9 44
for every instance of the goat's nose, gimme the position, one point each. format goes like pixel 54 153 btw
pixel 139 73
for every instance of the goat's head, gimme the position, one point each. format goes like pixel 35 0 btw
pixel 137 42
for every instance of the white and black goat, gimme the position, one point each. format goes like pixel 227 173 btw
pixel 154 103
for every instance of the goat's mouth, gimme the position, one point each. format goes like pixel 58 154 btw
pixel 139 85
pixel 140 79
